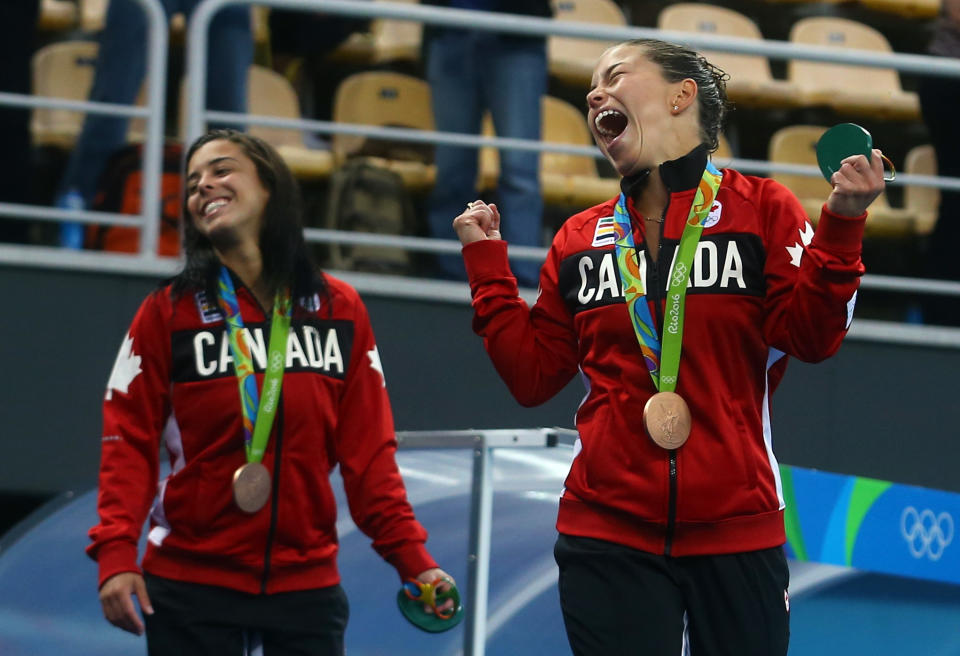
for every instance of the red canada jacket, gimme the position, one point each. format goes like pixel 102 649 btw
pixel 763 285
pixel 173 382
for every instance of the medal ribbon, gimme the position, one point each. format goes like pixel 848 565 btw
pixel 662 363
pixel 258 413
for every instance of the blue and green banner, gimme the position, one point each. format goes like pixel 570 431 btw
pixel 871 525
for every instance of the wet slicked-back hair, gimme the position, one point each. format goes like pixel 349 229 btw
pixel 678 63
pixel 286 258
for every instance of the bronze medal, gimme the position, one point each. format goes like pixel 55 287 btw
pixel 667 420
pixel 251 487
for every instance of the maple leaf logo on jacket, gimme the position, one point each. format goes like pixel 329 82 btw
pixel 125 369
pixel 796 251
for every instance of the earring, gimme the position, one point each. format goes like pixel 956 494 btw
pixel 676 108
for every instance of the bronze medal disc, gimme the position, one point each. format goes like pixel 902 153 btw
pixel 251 487
pixel 667 420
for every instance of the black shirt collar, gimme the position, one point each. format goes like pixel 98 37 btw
pixel 677 174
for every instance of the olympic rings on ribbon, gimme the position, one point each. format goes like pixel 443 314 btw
pixel 926 533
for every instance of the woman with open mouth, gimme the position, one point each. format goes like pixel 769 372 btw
pixel 679 303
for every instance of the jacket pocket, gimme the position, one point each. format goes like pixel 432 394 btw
pixel 193 498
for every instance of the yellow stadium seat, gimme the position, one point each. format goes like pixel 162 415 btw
pixel 93 14
pixel 56 15
pixel 565 180
pixel 271 94
pixel 797 144
pixel 571 60
pixel 751 81
pixel 924 202
pixel 387 41
pixel 860 90
pixel 386 99
pixel 61 70
pixel 64 70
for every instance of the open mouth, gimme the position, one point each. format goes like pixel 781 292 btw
pixel 610 124
pixel 213 206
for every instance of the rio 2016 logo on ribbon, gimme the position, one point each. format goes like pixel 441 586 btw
pixel 926 533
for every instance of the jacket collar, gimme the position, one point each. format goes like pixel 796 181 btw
pixel 678 174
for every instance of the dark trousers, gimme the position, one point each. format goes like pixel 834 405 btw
pixel 619 601
pixel 191 619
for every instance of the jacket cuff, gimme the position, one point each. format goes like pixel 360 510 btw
pixel 485 259
pixel 115 558
pixel 839 234
pixel 412 560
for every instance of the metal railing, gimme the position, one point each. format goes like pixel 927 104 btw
pixel 146 262
pixel 533 26
pixel 483 442
pixel 156 76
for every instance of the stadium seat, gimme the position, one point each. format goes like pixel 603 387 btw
pixel 860 90
pixel 571 60
pixel 271 94
pixel 386 99
pixel 92 14
pixel 751 81
pixel 56 15
pixel 923 202
pixel 61 70
pixel 387 41
pixel 64 70
pixel 565 180
pixel 796 144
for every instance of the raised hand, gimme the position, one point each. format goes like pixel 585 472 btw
pixel 479 221
pixel 856 184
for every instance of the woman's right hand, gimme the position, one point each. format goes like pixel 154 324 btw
pixel 116 597
pixel 478 222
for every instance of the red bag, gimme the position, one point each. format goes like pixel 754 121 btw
pixel 119 190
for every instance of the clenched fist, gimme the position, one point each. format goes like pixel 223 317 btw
pixel 479 221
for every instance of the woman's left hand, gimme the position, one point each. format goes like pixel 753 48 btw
pixel 856 184
pixel 430 576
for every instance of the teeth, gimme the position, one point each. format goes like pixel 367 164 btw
pixel 602 115
pixel 213 205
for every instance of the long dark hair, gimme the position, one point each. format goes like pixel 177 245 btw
pixel 678 63
pixel 286 258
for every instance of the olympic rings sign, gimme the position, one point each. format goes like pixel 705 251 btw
pixel 926 534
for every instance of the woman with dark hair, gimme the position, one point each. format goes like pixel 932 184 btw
pixel 242 542
pixel 678 302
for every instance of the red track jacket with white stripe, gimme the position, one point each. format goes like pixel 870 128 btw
pixel 763 285
pixel 173 381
